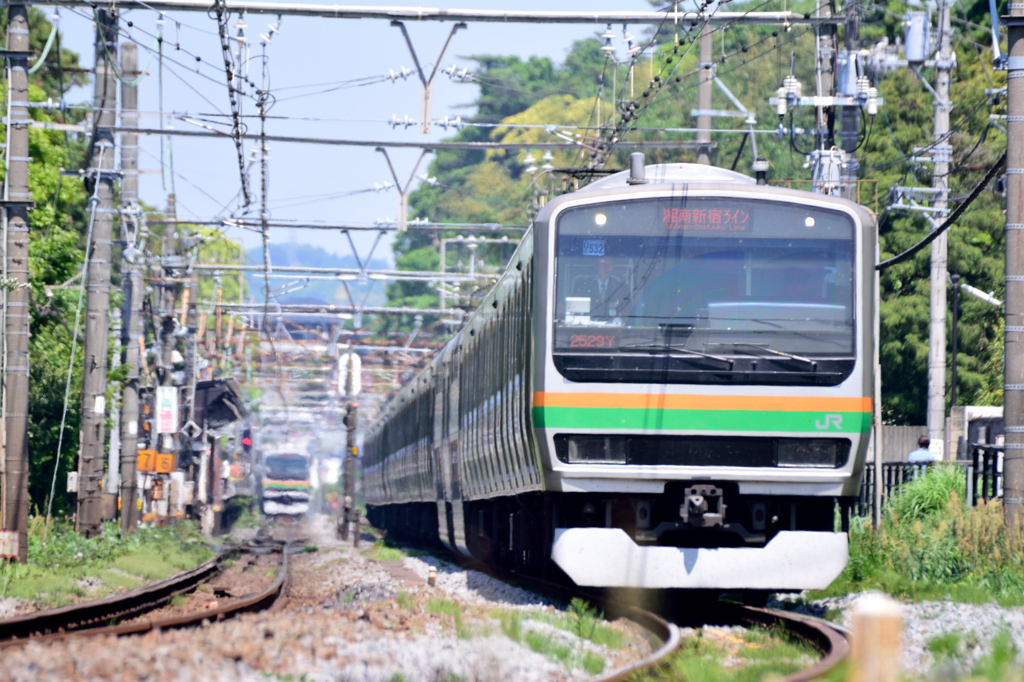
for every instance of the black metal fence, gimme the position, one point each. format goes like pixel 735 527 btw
pixel 983 472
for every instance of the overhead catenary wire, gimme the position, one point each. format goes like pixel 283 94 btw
pixel 237 129
pixel 953 217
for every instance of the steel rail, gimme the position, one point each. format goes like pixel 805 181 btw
pixel 75 617
pixel 667 632
pixel 821 634
pixel 258 602
pixel 826 637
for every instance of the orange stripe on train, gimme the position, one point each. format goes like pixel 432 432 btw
pixel 650 401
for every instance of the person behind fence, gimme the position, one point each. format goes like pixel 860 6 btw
pixel 922 454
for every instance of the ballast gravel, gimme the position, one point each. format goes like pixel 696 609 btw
pixel 975 625
pixel 345 616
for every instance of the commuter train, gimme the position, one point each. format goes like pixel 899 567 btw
pixel 669 387
pixel 284 485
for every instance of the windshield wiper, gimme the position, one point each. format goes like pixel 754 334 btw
pixel 799 358
pixel 670 348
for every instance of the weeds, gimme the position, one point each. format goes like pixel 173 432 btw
pixel 309 549
pixel 761 654
pixel 931 545
pixel 405 600
pixel 1001 662
pixel 56 563
pixel 178 600
pixel 583 617
pixel 385 550
pixel 249 519
pixel 582 621
pixel 446 608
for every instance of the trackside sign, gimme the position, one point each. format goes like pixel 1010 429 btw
pixel 9 544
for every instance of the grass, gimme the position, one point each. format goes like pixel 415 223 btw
pixel 449 609
pixel 998 665
pixel 59 558
pixel 760 654
pixel 932 546
pixel 247 518
pixel 405 600
pixel 309 549
pixel 178 600
pixel 389 550
pixel 582 620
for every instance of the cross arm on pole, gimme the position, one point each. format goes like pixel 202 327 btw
pixel 425 109
pixel 403 189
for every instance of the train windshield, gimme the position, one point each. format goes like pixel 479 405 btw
pixel 717 276
pixel 293 467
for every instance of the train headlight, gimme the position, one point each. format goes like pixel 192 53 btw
pixel 607 450
pixel 821 454
pixel 600 219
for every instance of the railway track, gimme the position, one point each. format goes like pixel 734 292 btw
pixel 829 640
pixel 94 617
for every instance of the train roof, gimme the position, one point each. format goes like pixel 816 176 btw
pixel 661 173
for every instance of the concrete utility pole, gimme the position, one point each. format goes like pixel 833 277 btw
pixel 17 201
pixel 705 85
pixel 941 152
pixel 825 55
pixel 850 170
pixel 351 514
pixel 165 444
pixel 1013 366
pixel 132 341
pixel 94 357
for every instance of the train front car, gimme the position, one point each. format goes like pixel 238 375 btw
pixel 285 486
pixel 703 379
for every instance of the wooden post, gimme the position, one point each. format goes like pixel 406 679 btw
pixel 877 651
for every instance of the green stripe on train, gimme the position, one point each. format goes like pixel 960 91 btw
pixel 700 420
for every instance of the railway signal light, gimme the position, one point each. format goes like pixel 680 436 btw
pixel 247 441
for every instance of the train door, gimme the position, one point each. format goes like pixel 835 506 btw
pixel 456 518
pixel 439 452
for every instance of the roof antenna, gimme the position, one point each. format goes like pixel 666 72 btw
pixel 637 169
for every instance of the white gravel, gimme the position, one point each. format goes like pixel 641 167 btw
pixel 474 587
pixel 976 625
pixel 9 607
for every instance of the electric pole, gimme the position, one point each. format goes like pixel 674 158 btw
pixel 941 152
pixel 132 341
pixel 165 444
pixel 94 356
pixel 17 200
pixel 851 115
pixel 349 512
pixel 1013 365
pixel 705 84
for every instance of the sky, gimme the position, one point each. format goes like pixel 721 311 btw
pixel 313 51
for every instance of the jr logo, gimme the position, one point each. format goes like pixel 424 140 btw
pixel 831 420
